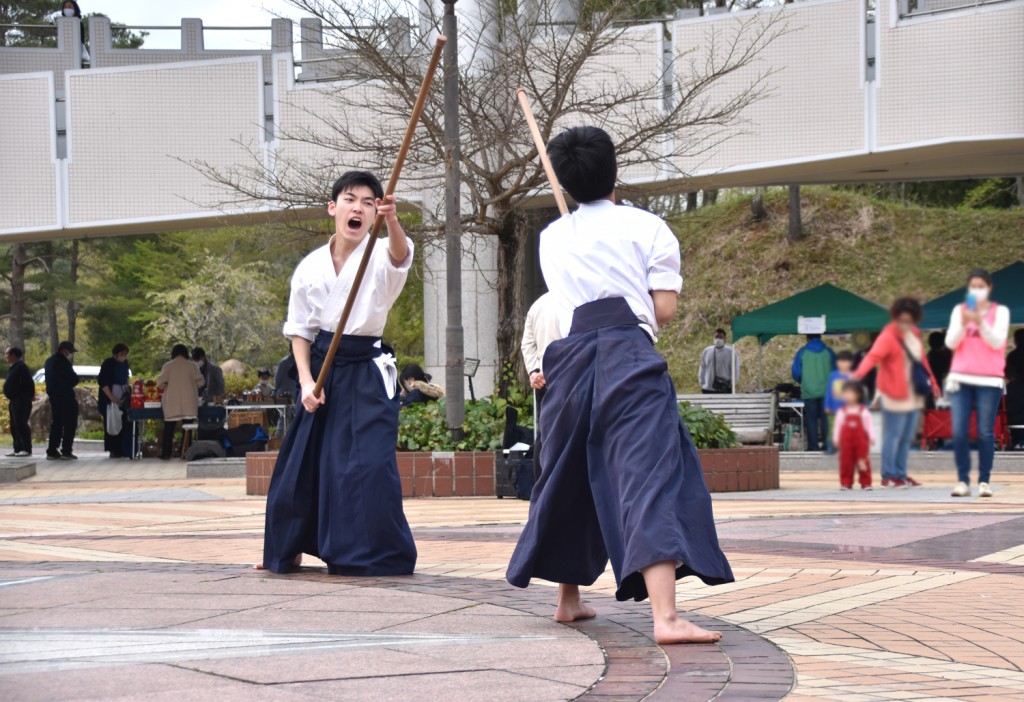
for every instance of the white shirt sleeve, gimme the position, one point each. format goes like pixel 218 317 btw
pixel 391 278
pixel 665 260
pixel 955 331
pixel 702 372
pixel 837 426
pixel 299 309
pixel 531 355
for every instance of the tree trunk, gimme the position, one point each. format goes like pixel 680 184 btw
pixel 72 305
pixel 796 229
pixel 757 210
pixel 1020 191
pixel 710 196
pixel 18 266
pixel 691 201
pixel 49 259
pixel 511 295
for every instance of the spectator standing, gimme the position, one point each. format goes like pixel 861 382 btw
pixel 286 378
pixel 852 435
pixel 181 379
pixel 113 382
pixel 834 400
pixel 20 390
pixel 978 329
pixel 939 356
pixel 896 352
pixel 61 380
pixel 719 366
pixel 812 366
pixel 417 386
pixel 263 387
pixel 1015 359
pixel 212 390
pixel 541 328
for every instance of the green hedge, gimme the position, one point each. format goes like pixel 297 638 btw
pixel 709 430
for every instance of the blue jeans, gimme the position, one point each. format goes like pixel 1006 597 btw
pixel 985 401
pixel 817 423
pixel 897 434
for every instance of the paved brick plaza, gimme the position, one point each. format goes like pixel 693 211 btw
pixel 126 581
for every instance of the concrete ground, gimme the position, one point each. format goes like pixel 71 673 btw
pixel 126 580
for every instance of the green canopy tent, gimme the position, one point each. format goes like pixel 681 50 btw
pixel 1007 289
pixel 844 313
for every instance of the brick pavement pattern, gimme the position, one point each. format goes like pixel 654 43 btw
pixel 129 581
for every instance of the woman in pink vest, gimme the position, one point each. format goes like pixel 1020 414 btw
pixel 977 335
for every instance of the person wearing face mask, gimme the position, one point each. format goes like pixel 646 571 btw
pixel 978 329
pixel 61 380
pixel 719 366
pixel 904 379
pixel 70 8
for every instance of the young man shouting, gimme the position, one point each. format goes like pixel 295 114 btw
pixel 621 478
pixel 335 493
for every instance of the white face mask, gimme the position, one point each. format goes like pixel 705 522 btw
pixel 69 12
pixel 980 294
pixel 719 342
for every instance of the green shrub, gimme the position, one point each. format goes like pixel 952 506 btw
pixel 708 430
pixel 423 427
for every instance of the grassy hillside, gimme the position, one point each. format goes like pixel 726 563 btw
pixel 877 249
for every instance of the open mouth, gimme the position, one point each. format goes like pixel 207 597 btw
pixel 355 224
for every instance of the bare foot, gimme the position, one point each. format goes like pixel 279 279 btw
pixel 297 562
pixel 677 631
pixel 573 611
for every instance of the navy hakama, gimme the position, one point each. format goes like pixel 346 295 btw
pixel 621 478
pixel 335 492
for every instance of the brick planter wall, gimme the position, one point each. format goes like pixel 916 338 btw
pixel 471 473
pixel 741 469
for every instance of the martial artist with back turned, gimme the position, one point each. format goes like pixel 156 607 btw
pixel 621 478
pixel 335 492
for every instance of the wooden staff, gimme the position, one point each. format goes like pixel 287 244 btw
pixel 542 151
pixel 414 118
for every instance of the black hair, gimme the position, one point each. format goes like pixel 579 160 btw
pixel 857 387
pixel 352 179
pixel 1018 337
pixel 811 337
pixel 937 339
pixel 119 347
pixel 263 372
pixel 15 351
pixel 721 331
pixel 907 305
pixel 584 161
pixel 198 353
pixel 982 274
pixel 846 356
pixel 413 371
pixel 179 350
pixel 78 10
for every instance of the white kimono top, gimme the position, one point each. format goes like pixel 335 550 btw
pixel 318 295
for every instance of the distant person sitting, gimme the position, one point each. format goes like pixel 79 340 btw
pixel 61 380
pixel 417 386
pixel 1015 358
pixel 834 400
pixel 812 366
pixel 1015 407
pixel 212 390
pixel 264 386
pixel 20 390
pixel 181 380
pixel 719 366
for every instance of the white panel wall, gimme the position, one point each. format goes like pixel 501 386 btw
pixel 28 195
pixel 67 55
pixel 815 103
pixel 134 131
pixel 934 83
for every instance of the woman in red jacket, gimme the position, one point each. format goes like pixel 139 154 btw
pixel 896 350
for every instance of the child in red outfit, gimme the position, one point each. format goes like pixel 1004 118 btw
pixel 852 436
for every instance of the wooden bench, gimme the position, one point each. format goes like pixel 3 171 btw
pixel 750 415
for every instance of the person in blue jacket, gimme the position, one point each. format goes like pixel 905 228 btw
pixel 812 366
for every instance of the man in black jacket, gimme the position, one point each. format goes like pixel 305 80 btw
pixel 20 390
pixel 61 380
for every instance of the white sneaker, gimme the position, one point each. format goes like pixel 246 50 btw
pixel 22 454
pixel 984 490
pixel 961 490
